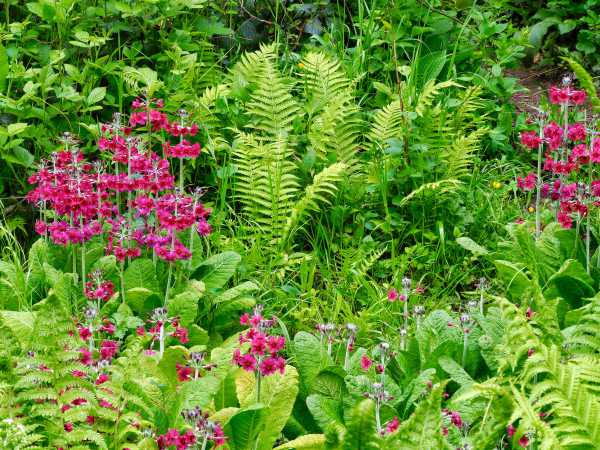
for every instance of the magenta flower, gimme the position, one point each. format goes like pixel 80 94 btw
pixel 528 183
pixel 108 349
pixel 392 295
pixel 524 441
pixel 392 426
pixel 530 139
pixel 365 362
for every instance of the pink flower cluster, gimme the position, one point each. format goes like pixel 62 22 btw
pixel 98 288
pixel 161 327
pixel 194 365
pixel 203 428
pixel 173 438
pixel 566 95
pixel 568 152
pixel 263 352
pixel 80 200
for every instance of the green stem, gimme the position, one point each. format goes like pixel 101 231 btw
pixel 258 383
pixel 83 267
pixel 538 193
pixel 464 353
pixel 122 280
pixel 181 174
pixel 168 283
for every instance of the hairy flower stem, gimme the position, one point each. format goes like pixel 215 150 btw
pixel 405 323
pixel 204 442
pixel 91 345
pixel 118 193
pixel 168 283
pixel 258 382
pixel 465 344
pixel 122 279
pixel 83 267
pixel 161 341
pixel 378 416
pixel 347 359
pixel 181 174
pixel 481 302
pixel 538 191
pixel 192 236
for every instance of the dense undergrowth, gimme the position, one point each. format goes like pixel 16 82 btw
pixel 258 225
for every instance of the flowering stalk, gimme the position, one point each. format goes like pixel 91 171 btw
pixel 406 287
pixel 168 283
pixel 465 319
pixel 351 331
pixel 377 391
pixel 482 285
pixel 328 331
pixel 419 312
pixel 263 357
pixel 122 279
pixel 538 193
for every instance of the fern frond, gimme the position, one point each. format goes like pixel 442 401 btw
pixel 271 104
pixel 387 124
pixel 459 156
pixel 144 76
pixel 360 267
pixel 441 187
pixel 323 77
pixel 422 429
pixel 335 130
pixel 249 68
pixel 428 94
pixel 320 192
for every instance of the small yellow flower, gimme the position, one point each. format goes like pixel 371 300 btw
pixel 496 185
pixel 301 65
pixel 531 209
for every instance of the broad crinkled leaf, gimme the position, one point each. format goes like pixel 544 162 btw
pixel 571 282
pixel 184 306
pixel 244 427
pixel 310 358
pixel 20 323
pixel 306 442
pixel 361 433
pixel 141 273
pixel 216 271
pixel 325 410
pixel 278 392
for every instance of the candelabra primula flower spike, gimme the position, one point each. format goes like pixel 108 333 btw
pixel 131 203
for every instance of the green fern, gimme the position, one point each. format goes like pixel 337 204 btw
pixel 315 195
pixel 423 429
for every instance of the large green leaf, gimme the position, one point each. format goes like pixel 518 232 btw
pixel 571 282
pixel 235 292
pixel 456 372
pixel 244 428
pixel 142 300
pixel 514 278
pixel 361 433
pixel 306 442
pixel 278 392
pixel 141 273
pixel 325 410
pixel 310 358
pixel 216 271
pixel 20 323
pixel 423 429
pixel 469 244
pixel 184 306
